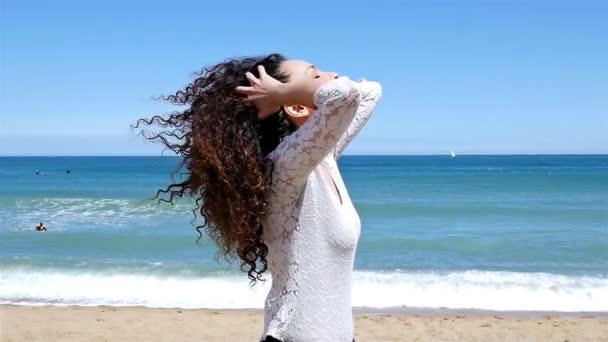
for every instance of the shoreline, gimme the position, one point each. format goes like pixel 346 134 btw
pixel 478 312
pixel 360 310
pixel 138 323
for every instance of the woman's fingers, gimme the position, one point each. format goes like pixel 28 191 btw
pixel 252 79
pixel 255 97
pixel 262 71
pixel 252 93
pixel 245 90
pixel 256 92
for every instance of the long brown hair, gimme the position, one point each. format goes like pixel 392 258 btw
pixel 224 146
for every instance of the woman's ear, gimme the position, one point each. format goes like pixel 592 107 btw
pixel 297 114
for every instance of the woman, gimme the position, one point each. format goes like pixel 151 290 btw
pixel 260 140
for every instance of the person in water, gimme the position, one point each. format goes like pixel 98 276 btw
pixel 260 138
pixel 40 227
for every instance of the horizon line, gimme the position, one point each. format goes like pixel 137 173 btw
pixel 345 155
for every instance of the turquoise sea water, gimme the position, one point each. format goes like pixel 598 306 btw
pixel 488 232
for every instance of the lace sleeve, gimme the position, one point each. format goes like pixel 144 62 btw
pixel 299 153
pixel 370 95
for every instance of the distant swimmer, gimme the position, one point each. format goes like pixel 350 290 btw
pixel 37 172
pixel 40 227
pixel 68 171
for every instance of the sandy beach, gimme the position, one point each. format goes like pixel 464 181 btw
pixel 103 323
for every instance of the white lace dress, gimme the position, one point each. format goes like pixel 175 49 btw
pixel 313 228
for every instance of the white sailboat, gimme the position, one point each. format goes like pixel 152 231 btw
pixel 452 154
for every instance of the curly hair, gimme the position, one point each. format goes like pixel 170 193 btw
pixel 224 148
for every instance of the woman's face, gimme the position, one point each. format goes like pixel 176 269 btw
pixel 299 70
pixel 302 71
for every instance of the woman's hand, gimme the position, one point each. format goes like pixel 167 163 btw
pixel 268 94
pixel 265 92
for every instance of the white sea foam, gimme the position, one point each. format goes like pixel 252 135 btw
pixel 471 289
pixel 59 213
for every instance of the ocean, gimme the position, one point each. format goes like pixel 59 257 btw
pixel 471 232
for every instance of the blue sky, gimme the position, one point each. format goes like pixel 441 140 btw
pixel 482 77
